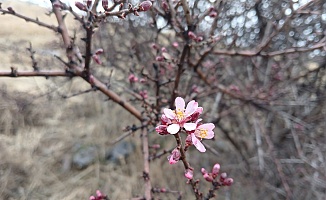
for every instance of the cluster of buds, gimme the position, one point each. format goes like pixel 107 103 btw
pixel 212 176
pixel 99 196
pixel 186 119
pixel 142 7
pixel 194 37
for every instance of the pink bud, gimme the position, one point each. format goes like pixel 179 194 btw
pixel 80 6
pixel 159 58
pixel 223 176
pixel 189 174
pixel 210 9
pixel 165 120
pixel 145 6
pixel 155 46
pixel 203 171
pixel 163 49
pixel 165 6
pixel 228 182
pixel 98 193
pixel 213 14
pixel 188 140
pixel 144 94
pixel 162 190
pixel 162 130
pixel 192 35
pixel 105 4
pixel 91 79
pixel 97 59
pixel 99 51
pixel 208 177
pixel 216 170
pixel 175 44
pixel 132 78
pixel 88 3
pixel 142 80
pixel 199 39
pixel 92 198
pixel 174 157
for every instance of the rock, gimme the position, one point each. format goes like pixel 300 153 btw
pixel 120 151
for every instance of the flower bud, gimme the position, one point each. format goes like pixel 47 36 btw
pixel 92 198
pixel 199 39
pixel 223 177
pixel 213 14
pixel 192 35
pixel 162 190
pixel 203 171
pixel 132 78
pixel 98 193
pixel 163 49
pixel 159 58
pixel 165 6
pixel 97 59
pixel 189 174
pixel 165 120
pixel 162 130
pixel 105 4
pixel 175 156
pixel 99 51
pixel 144 94
pixel 216 170
pixel 208 177
pixel 88 3
pixel 228 182
pixel 175 44
pixel 145 6
pixel 80 6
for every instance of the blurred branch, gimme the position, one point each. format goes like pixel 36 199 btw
pixel 15 73
pixel 11 11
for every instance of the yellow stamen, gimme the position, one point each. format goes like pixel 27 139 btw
pixel 203 133
pixel 179 113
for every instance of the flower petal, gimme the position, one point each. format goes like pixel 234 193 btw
pixel 169 113
pixel 173 128
pixel 191 108
pixel 210 135
pixel 180 103
pixel 190 126
pixel 207 126
pixel 197 143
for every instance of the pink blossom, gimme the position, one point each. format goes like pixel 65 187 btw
pixel 175 44
pixel 162 129
pixel 203 131
pixel 181 115
pixel 213 14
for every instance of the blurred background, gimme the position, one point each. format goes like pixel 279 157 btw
pixel 266 96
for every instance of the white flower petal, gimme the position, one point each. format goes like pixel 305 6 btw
pixel 173 128
pixel 198 144
pixel 191 107
pixel 169 113
pixel 190 126
pixel 180 103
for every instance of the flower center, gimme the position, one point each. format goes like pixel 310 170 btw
pixel 203 133
pixel 179 113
